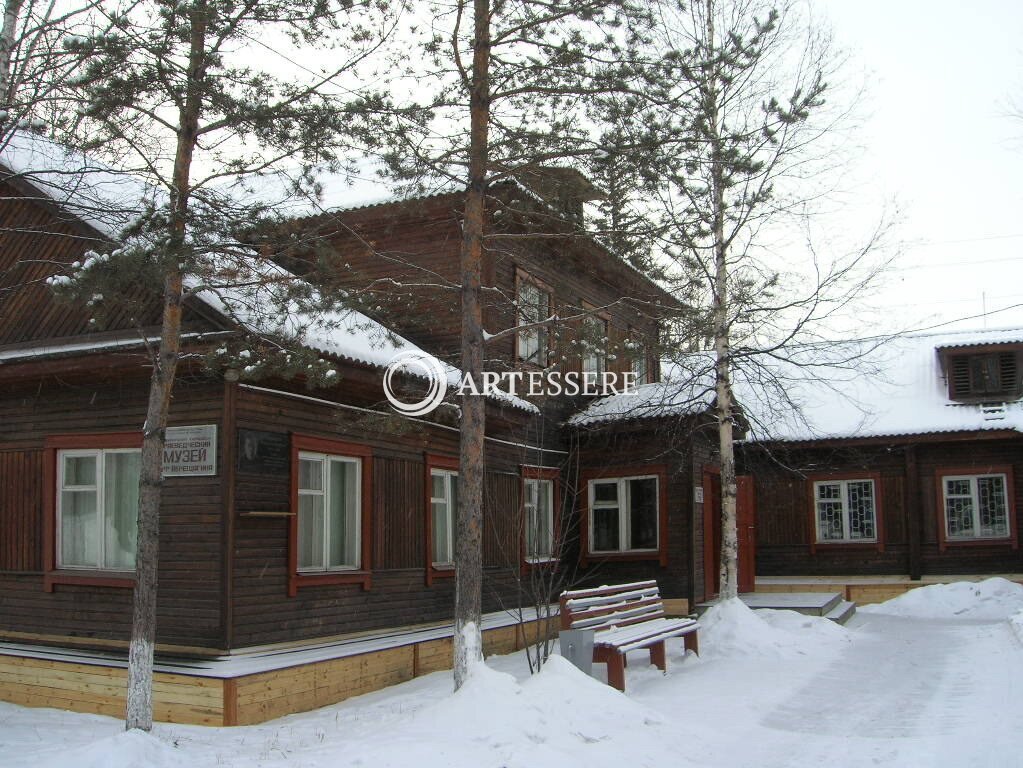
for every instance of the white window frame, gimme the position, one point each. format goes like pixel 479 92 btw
pixel 844 499
pixel 535 339
pixel 325 459
pixel 450 478
pixel 974 497
pixel 530 511
pixel 99 454
pixel 594 358
pixel 624 513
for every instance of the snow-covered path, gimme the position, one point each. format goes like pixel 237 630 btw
pixel 910 692
pixel 772 690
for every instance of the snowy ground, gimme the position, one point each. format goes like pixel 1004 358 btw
pixel 931 679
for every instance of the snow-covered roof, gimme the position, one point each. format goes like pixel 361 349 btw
pixel 101 196
pixel 108 200
pixel 680 397
pixel 954 339
pixel 894 388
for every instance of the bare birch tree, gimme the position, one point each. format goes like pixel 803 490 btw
pixel 745 137
pixel 36 64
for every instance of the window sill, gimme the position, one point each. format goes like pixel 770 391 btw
pixel 843 544
pixel 435 572
pixel 327 578
pixel 1001 541
pixel 629 556
pixel 85 578
pixel 839 546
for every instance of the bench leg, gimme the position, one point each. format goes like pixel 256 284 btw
pixel 658 657
pixel 692 643
pixel 616 670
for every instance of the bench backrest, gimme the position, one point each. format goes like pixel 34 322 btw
pixel 618 605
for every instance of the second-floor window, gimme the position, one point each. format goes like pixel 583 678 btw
pixel 534 306
pixel 594 357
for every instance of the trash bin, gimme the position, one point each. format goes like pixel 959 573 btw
pixel 577 647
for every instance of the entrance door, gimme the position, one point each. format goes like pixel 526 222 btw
pixel 746 530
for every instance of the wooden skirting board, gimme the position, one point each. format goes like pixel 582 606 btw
pixel 37 677
pixel 863 590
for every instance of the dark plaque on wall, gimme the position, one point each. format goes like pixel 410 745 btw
pixel 268 453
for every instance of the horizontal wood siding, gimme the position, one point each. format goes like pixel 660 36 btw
pixel 619 453
pixel 398 595
pixel 101 690
pixel 785 515
pixel 190 515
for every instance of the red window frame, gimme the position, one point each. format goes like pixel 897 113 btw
pixel 52 445
pixel 614 473
pixel 431 462
pixel 824 477
pixel 532 472
pixel 1012 540
pixel 364 575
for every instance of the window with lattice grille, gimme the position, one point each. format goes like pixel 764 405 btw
pixel 846 511
pixel 976 506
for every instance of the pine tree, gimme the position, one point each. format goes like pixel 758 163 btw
pixel 203 99
pixel 510 83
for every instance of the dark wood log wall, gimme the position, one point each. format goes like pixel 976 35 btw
pixel 404 260
pixel 399 594
pixel 785 522
pixel 190 517
pixel 683 453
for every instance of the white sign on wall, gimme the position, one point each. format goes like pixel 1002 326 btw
pixel 698 495
pixel 190 451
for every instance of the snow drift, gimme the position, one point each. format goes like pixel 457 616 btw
pixel 994 599
pixel 732 629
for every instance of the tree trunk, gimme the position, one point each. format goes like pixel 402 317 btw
pixel 139 709
pixel 468 644
pixel 12 10
pixel 729 575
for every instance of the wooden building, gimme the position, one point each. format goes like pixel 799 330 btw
pixel 306 534
pixel 905 471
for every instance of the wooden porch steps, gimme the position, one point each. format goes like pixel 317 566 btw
pixel 830 605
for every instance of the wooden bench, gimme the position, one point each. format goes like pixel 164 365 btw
pixel 625 617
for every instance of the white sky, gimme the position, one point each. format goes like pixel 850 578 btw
pixel 941 79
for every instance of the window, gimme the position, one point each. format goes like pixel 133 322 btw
pixel 640 364
pixel 538 509
pixel 989 375
pixel 443 507
pixel 846 510
pixel 97 508
pixel 534 306
pixel 624 514
pixel 976 506
pixel 594 344
pixel 329 507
